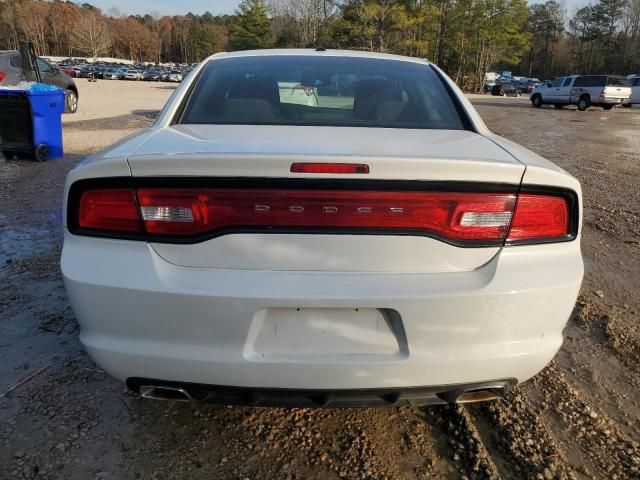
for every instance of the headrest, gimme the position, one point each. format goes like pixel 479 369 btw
pixel 370 93
pixel 262 88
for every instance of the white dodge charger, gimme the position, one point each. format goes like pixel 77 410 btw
pixel 375 246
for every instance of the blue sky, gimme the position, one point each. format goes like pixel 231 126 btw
pixel 180 7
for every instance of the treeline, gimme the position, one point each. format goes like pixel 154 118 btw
pixel 603 37
pixel 465 37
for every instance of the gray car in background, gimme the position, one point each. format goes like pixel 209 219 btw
pixel 11 73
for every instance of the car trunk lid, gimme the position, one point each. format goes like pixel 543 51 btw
pixel 394 157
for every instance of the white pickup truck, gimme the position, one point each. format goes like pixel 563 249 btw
pixel 584 91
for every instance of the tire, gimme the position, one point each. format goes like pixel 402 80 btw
pixel 584 103
pixel 536 101
pixel 626 105
pixel 71 102
pixel 607 107
pixel 41 153
pixel 9 155
pixel 559 106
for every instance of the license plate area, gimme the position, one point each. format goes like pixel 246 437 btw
pixel 317 334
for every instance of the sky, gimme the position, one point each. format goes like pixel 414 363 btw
pixel 166 7
pixel 217 7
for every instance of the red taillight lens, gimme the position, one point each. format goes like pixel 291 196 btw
pixel 465 218
pixel 329 168
pixel 109 210
pixel 540 216
pixel 3 75
pixel 456 216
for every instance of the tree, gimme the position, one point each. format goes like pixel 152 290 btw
pixel 91 35
pixel 32 20
pixel 251 27
pixel 546 26
pixel 305 20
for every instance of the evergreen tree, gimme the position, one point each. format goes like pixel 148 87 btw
pixel 251 27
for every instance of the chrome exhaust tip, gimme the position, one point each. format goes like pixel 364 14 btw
pixel 481 394
pixel 163 392
pixel 476 393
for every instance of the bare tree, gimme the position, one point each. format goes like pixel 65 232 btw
pixel 308 16
pixel 32 19
pixel 91 36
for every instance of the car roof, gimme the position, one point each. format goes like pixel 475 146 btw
pixel 313 52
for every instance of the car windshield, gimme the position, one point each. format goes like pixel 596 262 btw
pixel 617 82
pixel 321 91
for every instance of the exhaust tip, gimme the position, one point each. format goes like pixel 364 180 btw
pixel 161 392
pixel 481 395
pixel 477 393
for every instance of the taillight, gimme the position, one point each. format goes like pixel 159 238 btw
pixel 455 216
pixel 540 216
pixel 3 75
pixel 109 210
pixel 193 214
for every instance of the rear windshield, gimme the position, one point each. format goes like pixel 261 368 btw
pixel 321 91
pixel 617 82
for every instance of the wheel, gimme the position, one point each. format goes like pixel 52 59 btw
pixel 559 106
pixel 536 101
pixel 607 107
pixel 584 103
pixel 71 102
pixel 41 153
pixel 9 155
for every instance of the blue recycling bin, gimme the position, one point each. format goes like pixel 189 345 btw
pixel 31 122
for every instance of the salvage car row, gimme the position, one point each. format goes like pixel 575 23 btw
pixel 116 71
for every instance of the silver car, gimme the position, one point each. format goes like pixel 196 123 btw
pixel 11 73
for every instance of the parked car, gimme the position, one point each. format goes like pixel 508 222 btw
pixel 509 89
pixel 133 75
pixel 151 76
pixel 634 99
pixel 584 91
pixel 69 71
pixel 527 85
pixel 380 249
pixel 11 74
pixel 497 90
pixel 111 74
pixel 175 76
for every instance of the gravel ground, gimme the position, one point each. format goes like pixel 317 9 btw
pixel 579 418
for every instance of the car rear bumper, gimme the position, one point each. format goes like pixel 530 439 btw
pixel 304 398
pixel 614 100
pixel 143 317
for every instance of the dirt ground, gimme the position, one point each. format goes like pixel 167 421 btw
pixel 579 418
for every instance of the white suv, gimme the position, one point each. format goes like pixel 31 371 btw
pixel 377 247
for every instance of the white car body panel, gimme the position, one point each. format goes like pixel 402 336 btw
pixel 502 320
pixel 335 312
pixel 260 151
pixel 635 91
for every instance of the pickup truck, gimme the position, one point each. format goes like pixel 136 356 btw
pixel 584 91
